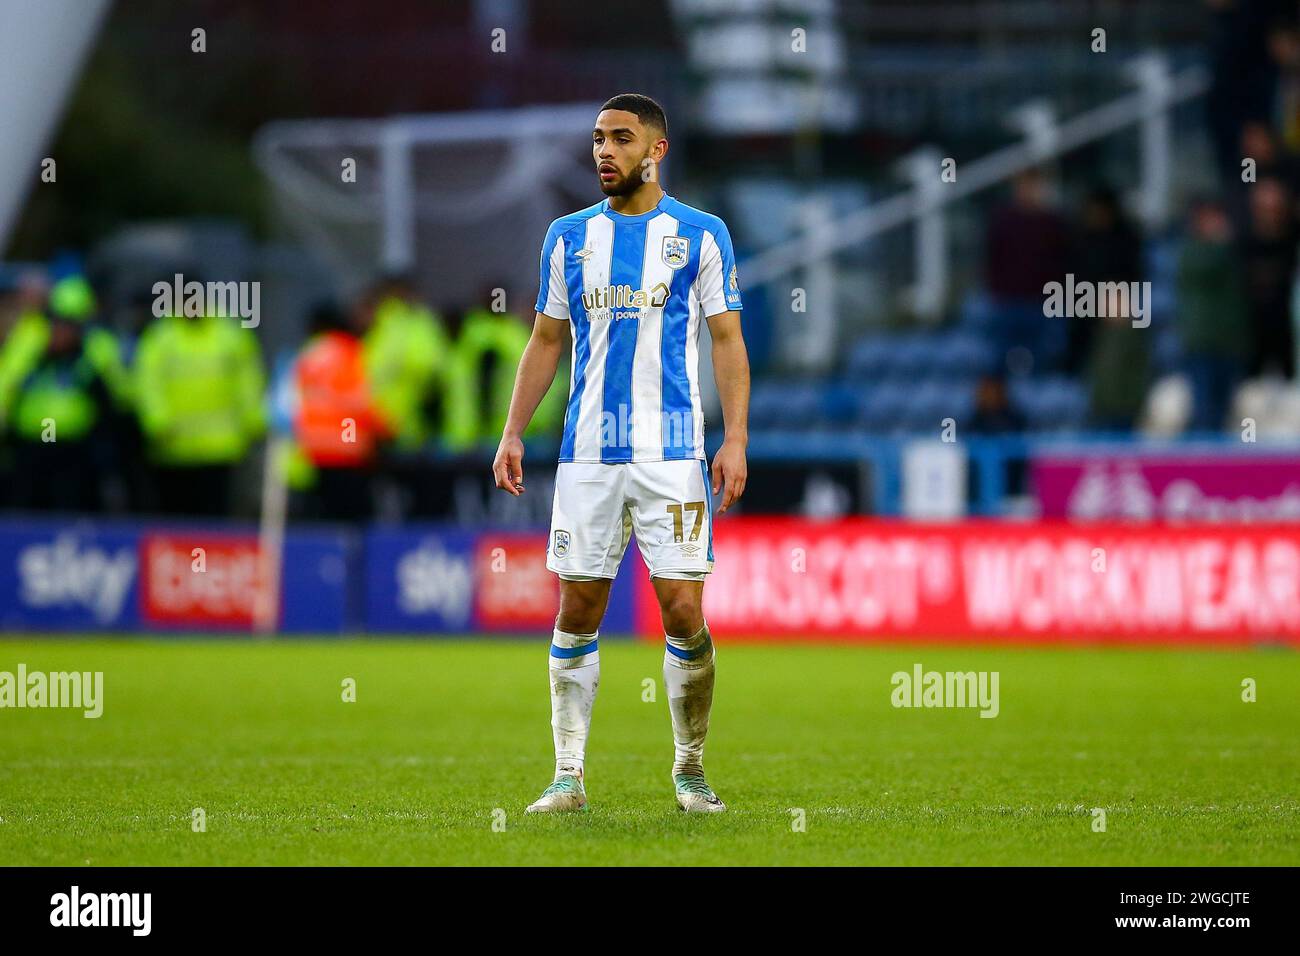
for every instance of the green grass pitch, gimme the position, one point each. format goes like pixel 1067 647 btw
pixel 444 733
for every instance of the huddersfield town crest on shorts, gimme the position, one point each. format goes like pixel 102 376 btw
pixel 561 543
pixel 676 251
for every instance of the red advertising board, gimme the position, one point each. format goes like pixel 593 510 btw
pixel 513 590
pixel 199 578
pixel 863 578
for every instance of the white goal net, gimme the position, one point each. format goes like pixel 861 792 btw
pixel 460 199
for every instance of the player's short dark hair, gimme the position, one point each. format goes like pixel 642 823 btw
pixel 647 110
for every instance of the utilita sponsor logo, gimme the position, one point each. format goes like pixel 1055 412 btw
pixel 75 908
pixel 622 301
pixel 1125 492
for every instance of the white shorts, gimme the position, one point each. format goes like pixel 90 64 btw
pixel 598 507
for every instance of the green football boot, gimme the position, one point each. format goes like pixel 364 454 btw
pixel 565 795
pixel 694 795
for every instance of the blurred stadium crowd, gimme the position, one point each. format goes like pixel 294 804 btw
pixel 1223 288
pixel 162 421
pixel 171 414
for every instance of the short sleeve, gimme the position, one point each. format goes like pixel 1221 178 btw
pixel 552 291
pixel 717 285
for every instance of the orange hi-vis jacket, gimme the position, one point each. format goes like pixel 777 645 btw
pixel 337 424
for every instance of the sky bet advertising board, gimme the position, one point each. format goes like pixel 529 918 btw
pixel 96 576
pixel 433 580
pixel 110 577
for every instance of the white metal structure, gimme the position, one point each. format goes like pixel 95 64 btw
pixel 1158 91
pixel 43 44
pixel 435 192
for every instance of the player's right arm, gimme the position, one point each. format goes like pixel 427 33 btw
pixel 540 359
pixel 532 380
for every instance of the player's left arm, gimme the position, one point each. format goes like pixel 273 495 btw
pixel 731 371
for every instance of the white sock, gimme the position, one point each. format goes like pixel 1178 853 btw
pixel 575 674
pixel 688 678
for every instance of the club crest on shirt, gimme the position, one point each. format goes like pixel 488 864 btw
pixel 561 547
pixel 676 251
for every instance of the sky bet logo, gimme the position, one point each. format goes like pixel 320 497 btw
pixel 605 302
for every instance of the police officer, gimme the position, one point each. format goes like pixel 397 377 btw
pixel 199 390
pixel 480 379
pixel 405 350
pixel 62 389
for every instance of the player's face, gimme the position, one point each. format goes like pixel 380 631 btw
pixel 625 152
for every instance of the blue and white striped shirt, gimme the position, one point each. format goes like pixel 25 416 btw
pixel 635 289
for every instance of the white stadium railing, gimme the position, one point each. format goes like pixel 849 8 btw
pixel 1158 91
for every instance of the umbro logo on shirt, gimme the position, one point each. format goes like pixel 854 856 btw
pixel 582 254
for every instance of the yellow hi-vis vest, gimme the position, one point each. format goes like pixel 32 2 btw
pixel 468 422
pixel 200 390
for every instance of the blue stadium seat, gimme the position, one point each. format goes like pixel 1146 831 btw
pixel 870 358
pixel 765 404
pixel 1050 404
pixel 884 408
pixel 786 404
pixel 964 354
pixel 840 401
pixel 934 400
pixel 914 355
pixel 977 314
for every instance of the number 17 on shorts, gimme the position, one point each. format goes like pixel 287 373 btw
pixel 599 507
